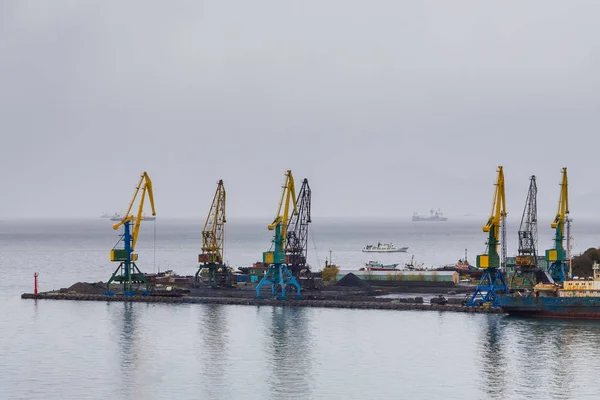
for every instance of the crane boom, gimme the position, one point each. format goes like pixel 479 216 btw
pixel 146 187
pixel 288 195
pixel 563 205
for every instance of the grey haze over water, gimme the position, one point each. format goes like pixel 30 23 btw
pixel 74 350
pixel 387 108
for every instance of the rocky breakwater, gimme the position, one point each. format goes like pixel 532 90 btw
pixel 350 304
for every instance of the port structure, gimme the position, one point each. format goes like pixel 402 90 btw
pixel 493 284
pixel 213 244
pixel 127 273
pixel 296 243
pixel 278 274
pixel 558 268
pixel 527 257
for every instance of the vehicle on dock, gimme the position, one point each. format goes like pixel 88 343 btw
pixel 384 248
pixel 577 298
pixel 440 300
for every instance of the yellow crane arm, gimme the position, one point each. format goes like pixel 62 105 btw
pixel 498 206
pixel 563 203
pixel 213 232
pixel 127 217
pixel 287 195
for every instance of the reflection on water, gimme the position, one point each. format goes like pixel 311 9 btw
pixel 534 358
pixel 124 318
pixel 213 350
pixel 128 353
pixel 35 309
pixel 290 353
pixel 551 350
pixel 493 359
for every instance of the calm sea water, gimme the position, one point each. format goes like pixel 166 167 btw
pixel 76 350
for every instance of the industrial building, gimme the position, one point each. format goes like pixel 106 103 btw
pixel 403 275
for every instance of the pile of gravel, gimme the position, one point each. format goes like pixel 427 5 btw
pixel 352 280
pixel 88 288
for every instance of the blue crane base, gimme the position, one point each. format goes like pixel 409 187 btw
pixel 491 286
pixel 558 271
pixel 129 275
pixel 278 274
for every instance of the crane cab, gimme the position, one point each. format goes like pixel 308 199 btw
pixel 121 255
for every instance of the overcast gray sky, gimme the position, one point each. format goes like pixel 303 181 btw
pixel 387 107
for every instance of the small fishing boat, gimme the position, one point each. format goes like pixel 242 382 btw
pixel 377 266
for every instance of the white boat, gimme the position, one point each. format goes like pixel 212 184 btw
pixel 383 248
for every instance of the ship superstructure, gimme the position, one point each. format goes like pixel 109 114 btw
pixel 433 216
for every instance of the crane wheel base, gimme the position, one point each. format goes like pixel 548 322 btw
pixel 491 286
pixel 279 276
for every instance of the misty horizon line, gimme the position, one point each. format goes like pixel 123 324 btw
pixel 542 218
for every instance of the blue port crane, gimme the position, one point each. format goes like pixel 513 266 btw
pixel 492 284
pixel 213 243
pixel 558 268
pixel 127 273
pixel 278 274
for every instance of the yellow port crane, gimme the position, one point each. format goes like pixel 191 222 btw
pixel 278 274
pixel 492 284
pixel 213 243
pixel 128 273
pixel 492 258
pixel 558 269
pixel 288 199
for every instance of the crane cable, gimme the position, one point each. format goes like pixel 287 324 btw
pixel 154 244
pixel 312 236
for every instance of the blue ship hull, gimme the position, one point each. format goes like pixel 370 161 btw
pixel 552 307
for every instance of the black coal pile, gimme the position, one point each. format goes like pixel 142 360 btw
pixel 352 280
pixel 88 288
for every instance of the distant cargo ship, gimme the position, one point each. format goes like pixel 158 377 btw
pixel 433 216
pixel 576 298
pixel 383 248
pixel 119 217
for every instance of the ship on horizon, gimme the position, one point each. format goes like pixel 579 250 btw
pixel 119 217
pixel 383 248
pixel 433 216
